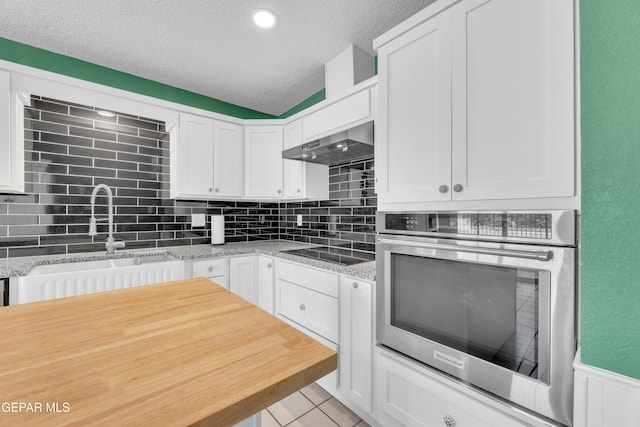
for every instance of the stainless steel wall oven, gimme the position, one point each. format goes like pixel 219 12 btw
pixel 487 297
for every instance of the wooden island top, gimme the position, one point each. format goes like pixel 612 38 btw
pixel 173 354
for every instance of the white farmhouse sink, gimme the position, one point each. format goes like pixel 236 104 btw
pixel 69 267
pixel 85 277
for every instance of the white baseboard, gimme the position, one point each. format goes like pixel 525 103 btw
pixel 603 398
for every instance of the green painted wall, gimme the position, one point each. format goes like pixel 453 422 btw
pixel 24 54
pixel 610 116
pixel 313 99
pixel 39 58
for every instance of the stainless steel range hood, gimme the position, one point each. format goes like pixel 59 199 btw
pixel 343 72
pixel 352 144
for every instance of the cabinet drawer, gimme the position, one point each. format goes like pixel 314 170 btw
pixel 407 398
pixel 343 114
pixel 317 280
pixel 210 267
pixel 313 310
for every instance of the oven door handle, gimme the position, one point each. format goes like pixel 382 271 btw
pixel 537 255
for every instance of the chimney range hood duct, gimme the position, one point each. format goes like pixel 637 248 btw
pixel 352 144
pixel 343 72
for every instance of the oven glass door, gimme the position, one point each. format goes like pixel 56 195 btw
pixel 491 311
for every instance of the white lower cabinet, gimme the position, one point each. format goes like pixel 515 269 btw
pixel 251 277
pixel 213 269
pixel 265 284
pixel 408 397
pixel 307 299
pixel 604 398
pixel 356 341
pixel 243 277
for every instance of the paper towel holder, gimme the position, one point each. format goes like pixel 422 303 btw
pixel 217 229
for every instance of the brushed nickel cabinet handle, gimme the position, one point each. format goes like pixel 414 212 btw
pixel 449 421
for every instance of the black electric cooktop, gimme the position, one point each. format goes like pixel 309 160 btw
pixel 333 255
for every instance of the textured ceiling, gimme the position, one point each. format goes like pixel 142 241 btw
pixel 209 47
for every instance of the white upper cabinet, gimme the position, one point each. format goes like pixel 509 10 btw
pixel 302 179
pixel 210 159
pixel 263 161
pixel 228 160
pixel 477 103
pixel 513 99
pixel 195 157
pixel 293 170
pixel 344 113
pixel 11 138
pixel 413 133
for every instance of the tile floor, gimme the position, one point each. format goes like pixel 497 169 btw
pixel 310 407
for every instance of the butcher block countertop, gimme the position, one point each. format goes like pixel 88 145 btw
pixel 173 354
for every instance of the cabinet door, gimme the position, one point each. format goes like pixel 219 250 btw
pixel 513 99
pixel 293 171
pixel 302 180
pixel 11 138
pixel 265 284
pixel 413 134
pixel 407 398
pixel 263 152
pixel 305 180
pixel 243 277
pixel 228 160
pixel 195 156
pixel 6 159
pixel 356 341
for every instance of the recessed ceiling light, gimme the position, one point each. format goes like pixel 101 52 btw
pixel 264 19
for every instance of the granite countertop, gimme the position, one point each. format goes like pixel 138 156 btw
pixel 13 267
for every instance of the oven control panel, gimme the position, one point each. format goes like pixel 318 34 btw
pixel 422 222
pixel 507 226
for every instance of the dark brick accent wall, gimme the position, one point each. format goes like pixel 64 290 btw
pixel 70 148
pixel 344 222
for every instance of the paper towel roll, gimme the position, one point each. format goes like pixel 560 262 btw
pixel 217 229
